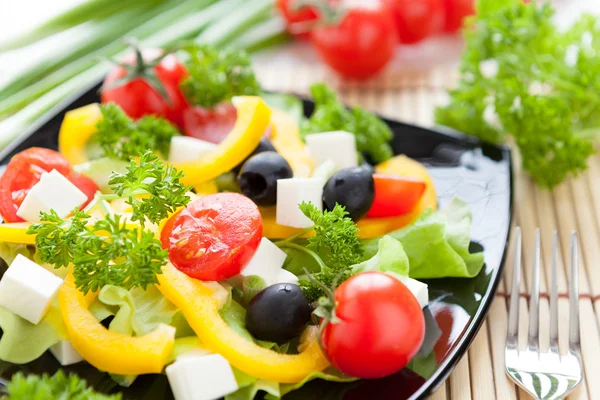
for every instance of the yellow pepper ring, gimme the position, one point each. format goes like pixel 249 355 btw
pixel 201 310
pixel 106 350
pixel 75 132
pixel 285 137
pixel 16 232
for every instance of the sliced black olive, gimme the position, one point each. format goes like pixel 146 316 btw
pixel 263 145
pixel 352 188
pixel 278 314
pixel 259 175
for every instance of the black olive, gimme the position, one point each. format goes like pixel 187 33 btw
pixel 278 314
pixel 263 145
pixel 352 188
pixel 259 175
pixel 368 167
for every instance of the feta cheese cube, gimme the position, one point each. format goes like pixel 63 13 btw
pixel 292 192
pixel 185 148
pixel 266 263
pixel 27 289
pixel 337 146
pixel 207 377
pixel 285 276
pixel 219 292
pixel 65 353
pixel 52 192
pixel 418 288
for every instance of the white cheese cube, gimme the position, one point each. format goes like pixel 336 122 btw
pixel 185 148
pixel 27 289
pixel 219 292
pixel 291 193
pixel 266 263
pixel 285 276
pixel 337 146
pixel 65 353
pixel 417 288
pixel 52 192
pixel 207 377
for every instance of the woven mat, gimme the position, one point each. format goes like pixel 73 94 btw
pixel 411 96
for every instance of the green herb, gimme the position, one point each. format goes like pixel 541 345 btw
pixel 57 386
pixel 522 76
pixel 335 247
pixel 122 138
pixel 372 134
pixel 216 76
pixel 164 192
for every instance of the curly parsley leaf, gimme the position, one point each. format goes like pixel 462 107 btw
pixel 57 386
pixel 335 242
pixel 522 76
pixel 111 254
pixel 372 134
pixel 152 188
pixel 122 138
pixel 216 75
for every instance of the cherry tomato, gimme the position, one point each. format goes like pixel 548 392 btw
pixel 395 195
pixel 361 44
pixel 296 18
pixel 24 171
pixel 381 326
pixel 416 20
pixel 214 237
pixel 138 98
pixel 212 125
pixel 455 11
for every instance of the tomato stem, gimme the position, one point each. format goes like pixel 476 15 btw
pixel 327 12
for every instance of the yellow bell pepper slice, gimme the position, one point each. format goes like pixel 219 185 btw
pixel 15 232
pixel 201 310
pixel 253 116
pixel 285 137
pixel 75 132
pixel 106 350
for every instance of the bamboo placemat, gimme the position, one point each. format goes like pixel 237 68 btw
pixel 411 96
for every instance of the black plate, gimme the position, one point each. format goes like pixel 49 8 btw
pixel 479 174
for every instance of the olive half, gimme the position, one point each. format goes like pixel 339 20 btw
pixel 353 188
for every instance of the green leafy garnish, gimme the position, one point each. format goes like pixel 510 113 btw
pixel 524 77
pixel 122 138
pixel 216 75
pixel 372 134
pixel 57 386
pixel 160 184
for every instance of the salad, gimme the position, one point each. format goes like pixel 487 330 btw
pixel 191 225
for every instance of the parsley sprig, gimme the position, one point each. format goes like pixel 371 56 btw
pixel 122 138
pixel 335 247
pixel 108 251
pixel 57 386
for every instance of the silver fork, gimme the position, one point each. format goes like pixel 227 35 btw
pixel 544 375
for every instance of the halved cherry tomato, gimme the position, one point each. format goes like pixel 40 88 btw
pixel 295 18
pixel 138 95
pixel 210 124
pixel 416 20
pixel 381 326
pixel 456 11
pixel 395 195
pixel 361 44
pixel 24 171
pixel 214 237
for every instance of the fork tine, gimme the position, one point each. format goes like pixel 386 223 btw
pixel 554 297
pixel 513 312
pixel 574 339
pixel 534 299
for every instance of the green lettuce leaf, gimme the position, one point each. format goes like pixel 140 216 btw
pixel 9 251
pixel 390 257
pixel 437 244
pixel 330 374
pixel 249 386
pixel 235 316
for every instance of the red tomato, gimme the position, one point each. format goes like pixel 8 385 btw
pixel 24 171
pixel 296 18
pixel 395 195
pixel 214 237
pixel 381 326
pixel 210 124
pixel 361 44
pixel 456 11
pixel 416 20
pixel 138 98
